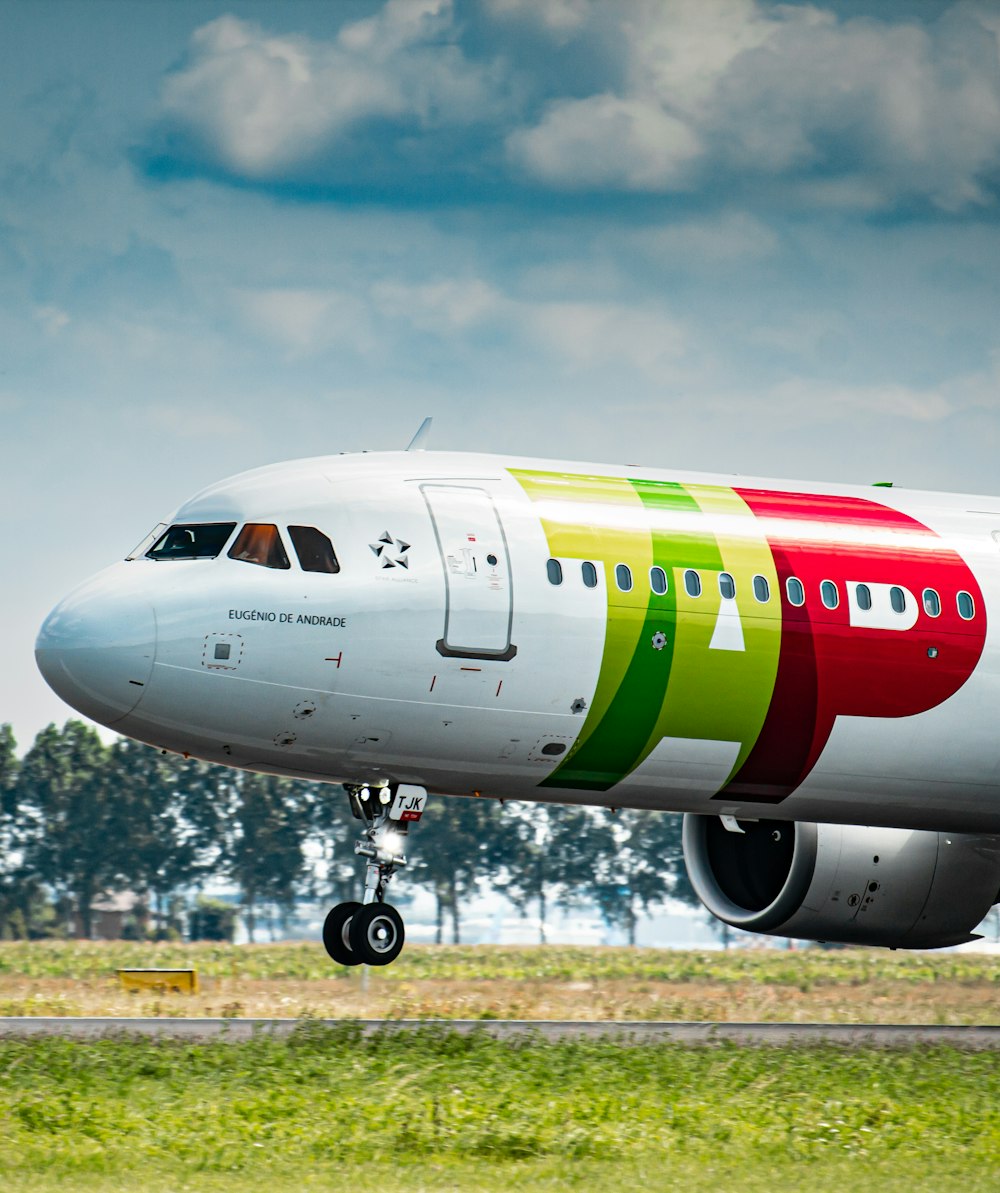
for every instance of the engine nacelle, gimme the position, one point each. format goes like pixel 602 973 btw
pixel 844 883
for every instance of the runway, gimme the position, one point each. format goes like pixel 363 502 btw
pixel 638 1032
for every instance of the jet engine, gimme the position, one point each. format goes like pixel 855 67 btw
pixel 843 883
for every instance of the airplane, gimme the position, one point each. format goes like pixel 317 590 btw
pixel 806 671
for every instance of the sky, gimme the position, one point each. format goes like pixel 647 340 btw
pixel 723 235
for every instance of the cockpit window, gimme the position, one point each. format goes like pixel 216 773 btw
pixel 147 542
pixel 314 549
pixel 259 542
pixel 192 541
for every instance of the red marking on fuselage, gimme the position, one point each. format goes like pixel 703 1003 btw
pixel 829 668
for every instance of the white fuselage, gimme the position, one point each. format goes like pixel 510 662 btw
pixel 422 662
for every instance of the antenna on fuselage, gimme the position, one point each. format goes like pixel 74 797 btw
pixel 417 442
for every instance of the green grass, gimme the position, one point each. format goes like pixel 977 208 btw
pixel 802 968
pixel 328 1110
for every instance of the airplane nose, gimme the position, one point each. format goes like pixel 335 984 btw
pixel 96 648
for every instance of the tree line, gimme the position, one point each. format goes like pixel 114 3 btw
pixel 80 819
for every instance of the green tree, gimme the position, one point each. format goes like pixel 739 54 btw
pixel 211 919
pixel 644 867
pixel 167 819
pixel 65 816
pixel 557 851
pixel 8 770
pixel 458 843
pixel 25 911
pixel 270 820
pixel 333 830
pixel 9 925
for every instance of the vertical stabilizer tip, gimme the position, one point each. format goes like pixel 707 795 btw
pixel 417 442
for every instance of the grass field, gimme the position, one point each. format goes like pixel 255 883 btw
pixel 540 982
pixel 433 1110
pixel 327 1110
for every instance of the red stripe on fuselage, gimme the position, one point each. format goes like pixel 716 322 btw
pixel 829 668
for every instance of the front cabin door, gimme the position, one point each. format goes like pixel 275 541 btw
pixel 478 600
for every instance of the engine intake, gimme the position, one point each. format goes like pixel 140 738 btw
pixel 848 884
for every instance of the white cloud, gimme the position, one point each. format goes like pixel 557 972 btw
pixel 443 306
pixel 891 107
pixel 605 140
pixel 733 236
pixel 588 335
pixel 399 24
pixel 576 335
pixel 114 341
pixel 52 318
pixel 979 390
pixel 679 52
pixel 308 321
pixel 264 102
pixel 914 108
pixel 811 401
pixel 852 112
pixel 800 333
pixel 186 422
pixel 558 16
pixel 850 192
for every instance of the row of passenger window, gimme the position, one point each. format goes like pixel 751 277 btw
pixel 257 542
pixel 794 589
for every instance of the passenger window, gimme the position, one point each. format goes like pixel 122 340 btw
pixel 314 549
pixel 727 586
pixel 658 580
pixel 932 603
pixel 692 583
pixel 589 573
pixel 897 598
pixel 796 593
pixel 623 578
pixel 864 597
pixel 192 541
pixel 554 570
pixel 260 543
pixel 966 606
pixel 829 594
pixel 761 589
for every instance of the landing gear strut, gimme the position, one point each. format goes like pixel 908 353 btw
pixel 372 933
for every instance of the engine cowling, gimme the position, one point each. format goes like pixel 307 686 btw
pixel 844 883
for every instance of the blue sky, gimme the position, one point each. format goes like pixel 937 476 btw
pixel 734 236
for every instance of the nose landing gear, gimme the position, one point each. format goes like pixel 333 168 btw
pixel 372 932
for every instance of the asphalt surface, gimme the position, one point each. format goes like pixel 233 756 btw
pixel 637 1032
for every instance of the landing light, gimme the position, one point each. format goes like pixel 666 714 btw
pixel 391 842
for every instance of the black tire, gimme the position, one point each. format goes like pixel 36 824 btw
pixel 336 939
pixel 376 934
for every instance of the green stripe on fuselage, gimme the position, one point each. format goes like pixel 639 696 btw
pixel 600 519
pixel 722 694
pixel 687 689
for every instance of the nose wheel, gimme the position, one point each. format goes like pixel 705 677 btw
pixel 372 932
pixel 377 934
pixel 336 933
pixel 364 934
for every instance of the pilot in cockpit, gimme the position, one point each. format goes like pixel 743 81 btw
pixel 179 540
